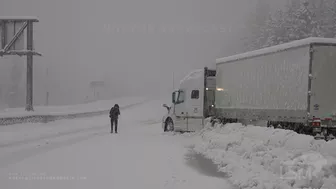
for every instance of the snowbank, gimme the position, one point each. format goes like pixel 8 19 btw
pixel 267 158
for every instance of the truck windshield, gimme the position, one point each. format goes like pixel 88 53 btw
pixel 180 97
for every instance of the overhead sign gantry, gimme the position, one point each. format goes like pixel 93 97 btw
pixel 13 42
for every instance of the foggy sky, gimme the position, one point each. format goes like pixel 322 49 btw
pixel 134 46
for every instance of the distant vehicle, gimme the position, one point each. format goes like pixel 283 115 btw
pixel 292 85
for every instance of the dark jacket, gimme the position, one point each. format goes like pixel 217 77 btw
pixel 114 112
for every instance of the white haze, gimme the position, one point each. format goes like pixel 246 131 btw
pixel 83 40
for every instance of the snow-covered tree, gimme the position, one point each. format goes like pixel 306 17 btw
pixel 255 24
pixel 300 19
pixel 327 18
pixel 305 23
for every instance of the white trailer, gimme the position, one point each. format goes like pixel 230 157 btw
pixel 292 85
pixel 192 102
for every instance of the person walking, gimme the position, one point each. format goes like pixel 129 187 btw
pixel 114 116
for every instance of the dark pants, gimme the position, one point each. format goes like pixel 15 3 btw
pixel 115 121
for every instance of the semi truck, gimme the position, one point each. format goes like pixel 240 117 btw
pixel 292 86
pixel 192 102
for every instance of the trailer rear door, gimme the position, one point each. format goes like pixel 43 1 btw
pixel 323 88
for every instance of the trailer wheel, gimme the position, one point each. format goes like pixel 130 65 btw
pixel 169 126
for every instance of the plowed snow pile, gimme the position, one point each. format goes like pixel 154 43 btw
pixel 267 158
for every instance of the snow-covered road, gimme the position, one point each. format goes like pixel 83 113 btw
pixel 83 154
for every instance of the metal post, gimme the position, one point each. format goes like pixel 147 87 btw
pixel 205 97
pixel 47 88
pixel 47 99
pixel 29 94
pixel 173 82
pixel 4 34
pixel 187 122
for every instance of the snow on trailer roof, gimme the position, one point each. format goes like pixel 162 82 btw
pixel 19 18
pixel 277 48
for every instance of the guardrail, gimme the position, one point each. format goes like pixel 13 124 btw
pixel 49 117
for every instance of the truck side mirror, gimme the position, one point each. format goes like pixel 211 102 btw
pixel 173 97
pixel 165 105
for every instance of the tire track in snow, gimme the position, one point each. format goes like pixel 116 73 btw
pixel 37 146
pixel 50 136
pixel 30 152
pixel 60 134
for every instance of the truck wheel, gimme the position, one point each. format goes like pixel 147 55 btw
pixel 169 127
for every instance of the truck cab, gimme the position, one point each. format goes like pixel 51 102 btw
pixel 192 102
